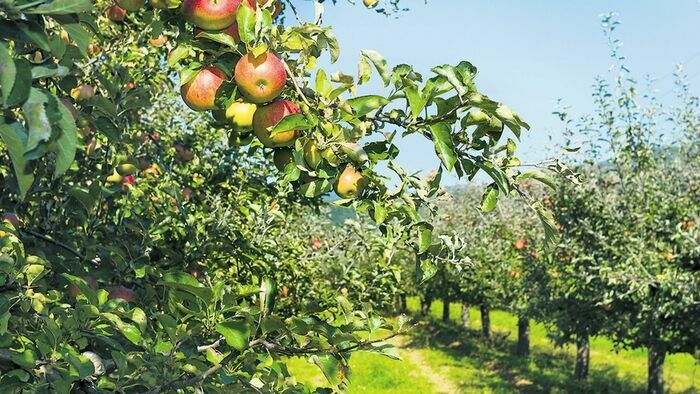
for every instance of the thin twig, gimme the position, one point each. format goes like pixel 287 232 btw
pixel 54 242
pixel 296 85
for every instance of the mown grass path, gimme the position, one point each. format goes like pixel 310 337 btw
pixel 444 358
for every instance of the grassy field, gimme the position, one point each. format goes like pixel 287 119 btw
pixel 444 358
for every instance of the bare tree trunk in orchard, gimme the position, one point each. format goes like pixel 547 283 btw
pixel 445 310
pixel 583 358
pixel 403 303
pixel 523 348
pixel 425 306
pixel 466 321
pixel 486 322
pixel 655 381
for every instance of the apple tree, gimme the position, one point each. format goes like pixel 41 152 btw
pixel 145 244
pixel 632 225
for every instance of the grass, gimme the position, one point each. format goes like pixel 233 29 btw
pixel 371 373
pixel 452 354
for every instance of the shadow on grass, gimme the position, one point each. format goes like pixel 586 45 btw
pixel 544 371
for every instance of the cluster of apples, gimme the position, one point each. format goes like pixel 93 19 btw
pixel 260 80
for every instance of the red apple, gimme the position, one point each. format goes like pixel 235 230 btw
pixel 158 41
pixel 199 92
pixel 74 290
pixel 520 244
pixel 211 14
pixel 123 293
pixel 260 79
pixel 116 13
pixel 268 117
pixel 12 219
pixel 231 31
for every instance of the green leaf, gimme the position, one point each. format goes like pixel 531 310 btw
pixel 334 371
pixel 235 332
pixel 363 105
pixel 551 234
pixel 380 64
pixel 180 52
pixel 316 188
pixel 490 198
pixel 76 32
pixel 15 137
pixel 414 96
pixel 34 110
pixel 539 176
pixel 89 292
pixel 128 330
pixel 8 73
pixel 291 122
pixel 385 349
pixel 453 77
pixel 62 7
pixel 268 294
pixel 39 72
pixel 246 24
pixel 25 359
pixel 496 174
pixel 15 78
pixel 425 236
pixel 67 143
pixel 444 146
pixel 220 37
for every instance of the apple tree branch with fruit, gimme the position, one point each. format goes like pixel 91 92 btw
pixel 141 247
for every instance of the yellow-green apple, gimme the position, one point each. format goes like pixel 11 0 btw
pixel 370 3
pixel 240 115
pixel 267 117
pixel 350 184
pixel 126 169
pixel 211 14
pixel 116 13
pixel 199 92
pixel 282 157
pixel 130 5
pixel 74 290
pixel 123 293
pixel 114 178
pixel 82 92
pixel 262 78
pixel 312 155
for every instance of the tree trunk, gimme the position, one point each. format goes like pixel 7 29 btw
pixel 583 357
pixel 466 321
pixel 523 348
pixel 655 381
pixel 445 310
pixel 425 306
pixel 486 322
pixel 403 303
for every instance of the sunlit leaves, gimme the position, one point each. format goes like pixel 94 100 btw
pixel 380 64
pixel 444 146
pixel 235 332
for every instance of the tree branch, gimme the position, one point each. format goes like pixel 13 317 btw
pixel 54 242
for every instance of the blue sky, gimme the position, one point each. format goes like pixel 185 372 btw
pixel 529 53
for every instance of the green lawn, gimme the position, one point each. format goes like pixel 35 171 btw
pixel 442 357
